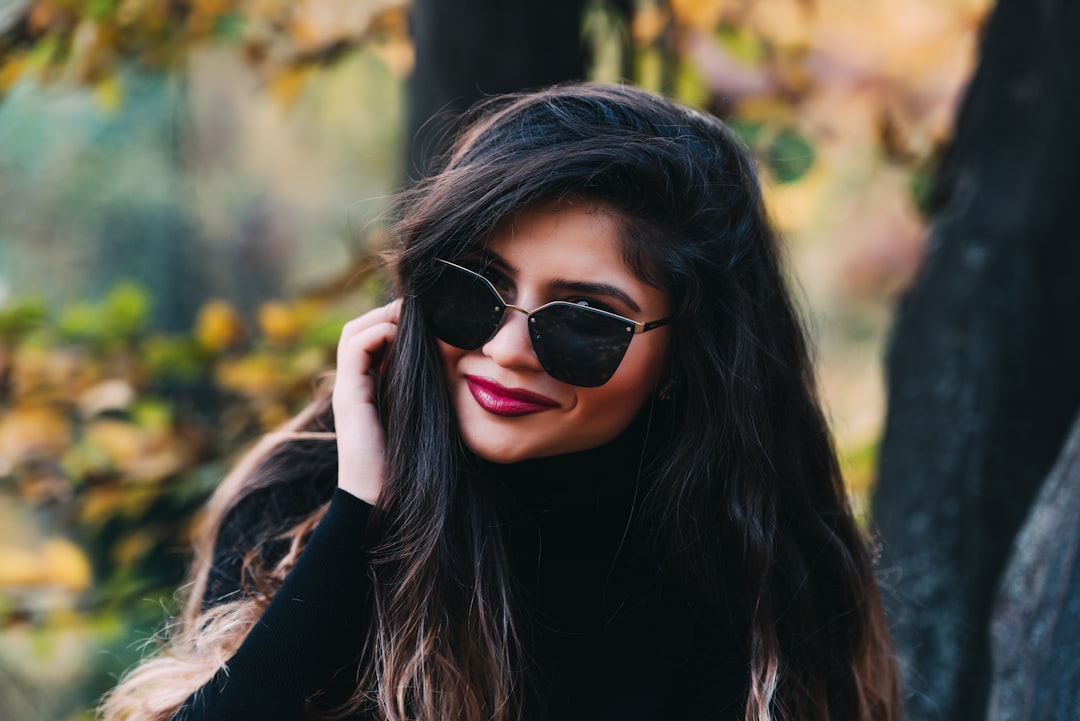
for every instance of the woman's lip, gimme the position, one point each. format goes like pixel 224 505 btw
pixel 500 400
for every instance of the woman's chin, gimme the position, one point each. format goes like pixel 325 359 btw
pixel 500 453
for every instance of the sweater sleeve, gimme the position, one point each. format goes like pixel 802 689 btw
pixel 312 627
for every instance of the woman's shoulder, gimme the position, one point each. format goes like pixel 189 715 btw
pixel 259 523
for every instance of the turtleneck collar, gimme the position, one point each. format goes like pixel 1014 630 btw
pixel 573 479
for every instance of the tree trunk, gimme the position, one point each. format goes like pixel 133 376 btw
pixel 469 49
pixel 984 368
pixel 1035 633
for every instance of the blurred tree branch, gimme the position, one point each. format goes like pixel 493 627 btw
pixel 84 42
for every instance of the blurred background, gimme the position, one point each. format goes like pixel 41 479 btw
pixel 191 197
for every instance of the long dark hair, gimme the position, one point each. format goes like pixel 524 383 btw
pixel 747 498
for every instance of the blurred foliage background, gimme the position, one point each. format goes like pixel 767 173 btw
pixel 190 201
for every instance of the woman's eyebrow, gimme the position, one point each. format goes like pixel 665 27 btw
pixel 576 286
pixel 490 257
pixel 611 291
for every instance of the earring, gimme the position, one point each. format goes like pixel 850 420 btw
pixel 667 390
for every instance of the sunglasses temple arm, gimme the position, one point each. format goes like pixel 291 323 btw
pixel 642 327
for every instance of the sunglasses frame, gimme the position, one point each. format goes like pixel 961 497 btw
pixel 634 327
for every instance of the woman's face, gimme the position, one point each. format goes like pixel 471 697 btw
pixel 508 408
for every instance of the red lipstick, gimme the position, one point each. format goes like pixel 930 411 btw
pixel 502 401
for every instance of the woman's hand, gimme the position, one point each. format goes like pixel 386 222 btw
pixel 360 440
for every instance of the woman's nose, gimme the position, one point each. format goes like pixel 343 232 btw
pixel 511 346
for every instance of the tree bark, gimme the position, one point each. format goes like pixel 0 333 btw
pixel 984 366
pixel 1035 632
pixel 469 49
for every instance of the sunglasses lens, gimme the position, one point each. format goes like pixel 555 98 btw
pixel 461 309
pixel 579 346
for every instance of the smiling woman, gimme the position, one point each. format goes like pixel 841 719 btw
pixel 577 470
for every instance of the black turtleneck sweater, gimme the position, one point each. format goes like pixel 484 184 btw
pixel 607 633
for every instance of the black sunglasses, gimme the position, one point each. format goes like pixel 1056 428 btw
pixel 574 343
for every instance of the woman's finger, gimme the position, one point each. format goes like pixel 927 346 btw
pixel 356 359
pixel 364 338
pixel 389 313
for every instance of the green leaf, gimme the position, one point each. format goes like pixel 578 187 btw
pixel 121 316
pixel 689 86
pixel 748 130
pixel 229 26
pixel 789 156
pixel 22 317
pixel 127 310
pixel 44 52
pixel 324 332
pixel 743 44
pixel 180 358
pixel 100 9
pixel 82 322
pixel 152 413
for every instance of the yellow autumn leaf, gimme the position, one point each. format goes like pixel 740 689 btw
pixel 204 14
pixel 309 363
pixel 31 430
pixel 119 442
pixel 391 19
pixel 32 372
pixel 133 548
pixel 308 311
pixel 315 24
pixel 252 376
pixel 128 12
pixel 926 38
pixel 19 567
pixel 781 23
pixel 790 72
pixel 109 93
pixel 10 71
pixel 58 562
pixel 211 7
pixel 278 323
pixel 155 417
pixel 218 326
pixel 66 565
pixel 743 45
pixel 764 107
pixel 274 416
pixel 792 205
pixel 158 462
pixel 101 503
pixel 151 17
pixel 698 14
pixel 287 84
pixel 397 54
pixel 648 23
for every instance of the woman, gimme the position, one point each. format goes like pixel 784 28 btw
pixel 580 469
